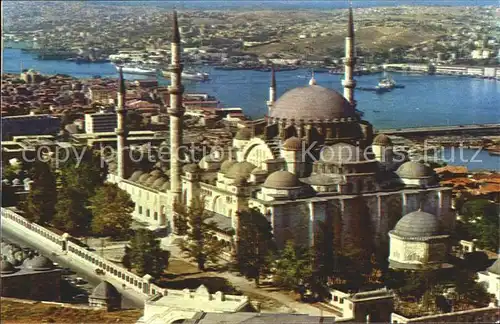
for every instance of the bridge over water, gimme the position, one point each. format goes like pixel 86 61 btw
pixel 450 130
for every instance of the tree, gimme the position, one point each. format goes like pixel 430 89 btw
pixel 111 209
pixel 254 245
pixel 323 256
pixel 180 218
pixel 293 267
pixel 40 203
pixel 86 174
pixel 201 244
pixel 468 290
pixel 146 255
pixel 481 219
pixel 71 214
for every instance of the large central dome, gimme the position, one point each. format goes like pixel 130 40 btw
pixel 311 102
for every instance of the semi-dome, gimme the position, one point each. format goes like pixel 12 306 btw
pixel 282 180
pixel 243 134
pixel 165 186
pixel 6 267
pixel 382 140
pixel 226 165
pixel 151 179
pixel 495 267
pixel 312 102
pixel 341 153
pixel 38 263
pixel 293 144
pixel 417 224
pixel 240 169
pixel 135 176
pixel 414 170
pixel 105 290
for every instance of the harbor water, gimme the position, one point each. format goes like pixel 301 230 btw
pixel 425 101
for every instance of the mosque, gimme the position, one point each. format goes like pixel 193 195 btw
pixel 311 162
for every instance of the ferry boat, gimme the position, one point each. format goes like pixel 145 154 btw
pixel 388 83
pixel 189 75
pixel 136 69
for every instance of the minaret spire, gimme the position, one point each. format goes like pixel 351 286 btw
pixel 350 60
pixel 176 111
pixel 313 80
pixel 121 127
pixel 272 89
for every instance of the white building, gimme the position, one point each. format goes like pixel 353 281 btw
pixel 100 122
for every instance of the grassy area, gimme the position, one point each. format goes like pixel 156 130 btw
pixel 19 312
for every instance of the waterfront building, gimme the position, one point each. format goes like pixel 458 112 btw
pixel 312 160
pixel 29 125
pixel 100 122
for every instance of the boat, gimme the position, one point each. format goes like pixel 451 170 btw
pixel 137 69
pixel 389 83
pixel 376 111
pixel 189 75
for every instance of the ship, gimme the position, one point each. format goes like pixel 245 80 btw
pixel 137 69
pixel 189 75
pixel 388 83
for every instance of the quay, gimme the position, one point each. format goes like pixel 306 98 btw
pixel 472 129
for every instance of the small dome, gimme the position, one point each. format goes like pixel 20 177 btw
pixel 226 165
pixel 143 178
pixel 135 176
pixel 382 140
pixel 159 182
pixel 6 267
pixel 156 173
pixel 105 290
pixel 312 102
pixel 191 168
pixel 495 267
pixel 16 182
pixel 417 224
pixel 414 170
pixel 151 179
pixel 38 263
pixel 341 153
pixel 259 171
pixel 244 134
pixel 282 180
pixel 240 169
pixel 293 144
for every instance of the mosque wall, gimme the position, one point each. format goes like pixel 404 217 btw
pixel 150 205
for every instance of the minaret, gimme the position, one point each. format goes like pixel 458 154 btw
pixel 176 112
pixel 121 128
pixel 272 89
pixel 349 83
pixel 313 80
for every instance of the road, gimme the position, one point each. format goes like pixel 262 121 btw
pixel 130 299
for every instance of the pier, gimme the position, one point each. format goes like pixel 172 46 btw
pixel 472 129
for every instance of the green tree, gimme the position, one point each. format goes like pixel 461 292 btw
pixel 40 203
pixel 71 214
pixel 84 173
pixel 468 290
pixel 201 244
pixel 111 209
pixel 254 244
pixel 480 218
pixel 293 266
pixel 145 254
